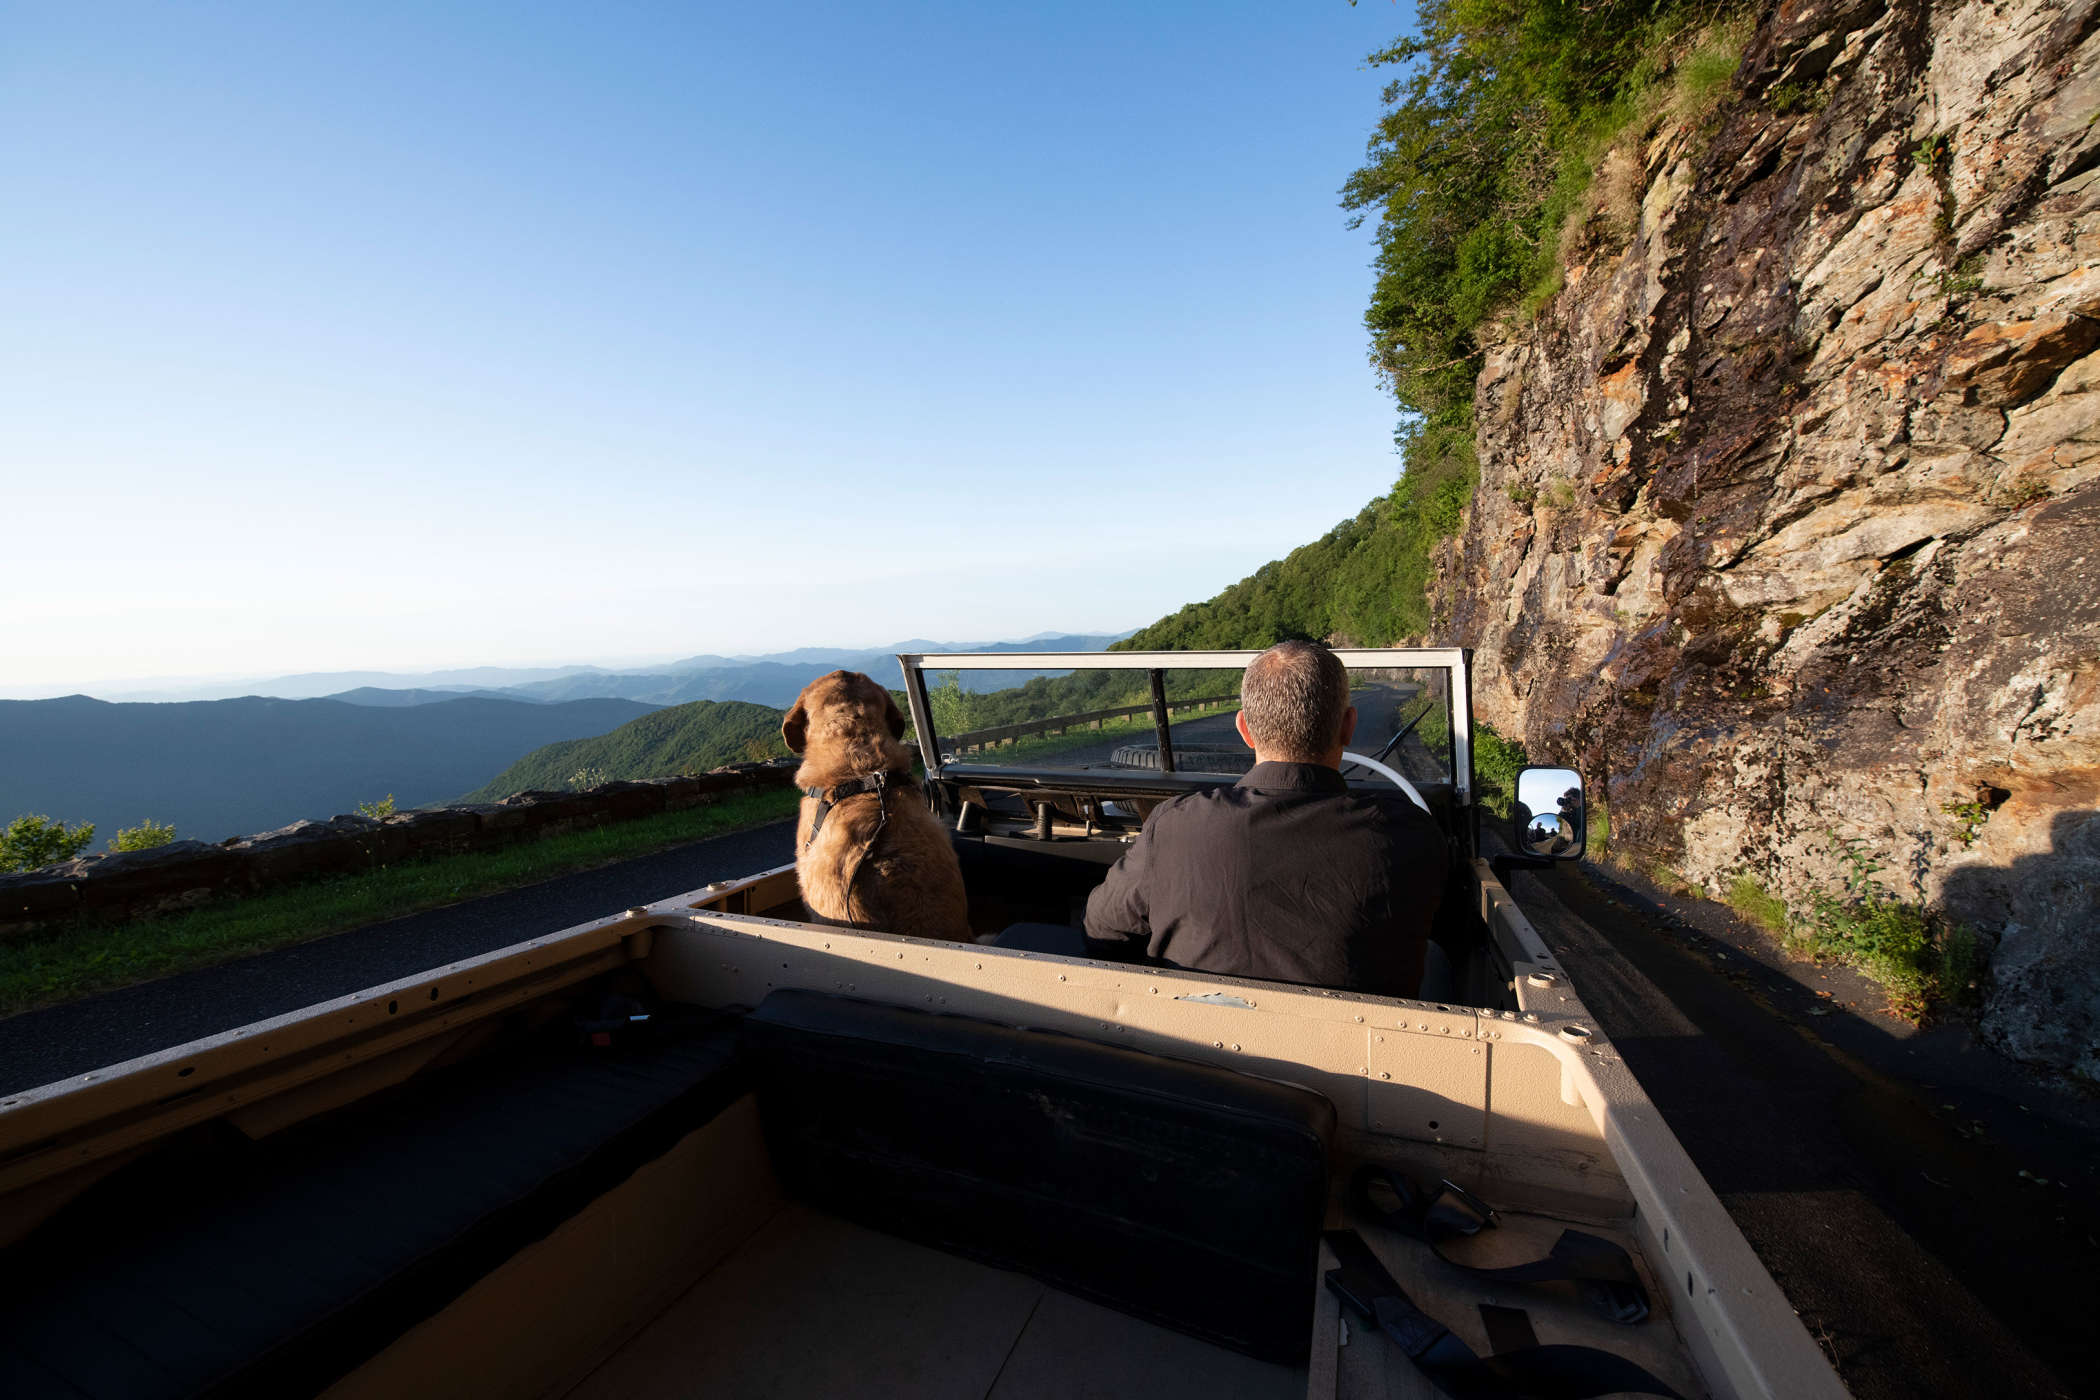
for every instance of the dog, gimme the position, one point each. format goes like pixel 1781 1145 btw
pixel 868 852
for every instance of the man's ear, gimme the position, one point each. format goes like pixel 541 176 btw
pixel 891 713
pixel 1348 726
pixel 1239 722
pixel 794 727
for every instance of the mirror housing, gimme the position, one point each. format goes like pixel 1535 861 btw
pixel 1550 822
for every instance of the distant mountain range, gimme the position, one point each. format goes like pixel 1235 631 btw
pixel 234 766
pixel 772 680
pixel 219 768
pixel 683 739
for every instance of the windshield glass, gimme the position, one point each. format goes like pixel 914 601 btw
pixel 1108 720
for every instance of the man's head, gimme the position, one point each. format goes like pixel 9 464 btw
pixel 1294 705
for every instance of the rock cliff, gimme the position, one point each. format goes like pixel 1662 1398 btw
pixel 1788 522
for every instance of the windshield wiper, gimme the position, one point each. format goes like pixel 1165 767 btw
pixel 1394 742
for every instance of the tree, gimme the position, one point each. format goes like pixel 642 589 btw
pixel 143 837
pixel 32 842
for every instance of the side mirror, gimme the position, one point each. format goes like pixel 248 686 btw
pixel 1549 815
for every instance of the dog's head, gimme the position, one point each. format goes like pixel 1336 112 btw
pixel 846 719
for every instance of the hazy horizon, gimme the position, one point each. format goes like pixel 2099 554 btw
pixel 123 688
pixel 393 337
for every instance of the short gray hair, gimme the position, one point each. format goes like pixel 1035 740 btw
pixel 1293 696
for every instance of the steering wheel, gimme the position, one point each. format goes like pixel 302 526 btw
pixel 1394 778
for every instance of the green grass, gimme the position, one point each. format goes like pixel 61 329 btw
pixel 1050 745
pixel 1750 899
pixel 1921 959
pixel 79 961
pixel 1496 762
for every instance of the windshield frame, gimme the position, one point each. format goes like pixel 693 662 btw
pixel 1457 661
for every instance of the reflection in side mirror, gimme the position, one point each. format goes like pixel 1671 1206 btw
pixel 1549 813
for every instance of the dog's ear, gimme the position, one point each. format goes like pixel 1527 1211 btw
pixel 894 715
pixel 794 727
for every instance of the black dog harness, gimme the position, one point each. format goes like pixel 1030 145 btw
pixel 828 798
pixel 878 783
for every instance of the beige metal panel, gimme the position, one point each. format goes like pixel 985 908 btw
pixel 1402 1065
pixel 545 1318
pixel 57 1127
pixel 1540 985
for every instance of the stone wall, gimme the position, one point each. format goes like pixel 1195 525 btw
pixel 1789 514
pixel 183 874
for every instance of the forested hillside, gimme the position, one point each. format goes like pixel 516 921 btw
pixel 1502 151
pixel 219 768
pixel 683 739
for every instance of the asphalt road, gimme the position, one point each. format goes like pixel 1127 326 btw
pixel 1876 1171
pixel 38 1047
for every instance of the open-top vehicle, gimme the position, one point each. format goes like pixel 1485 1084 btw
pixel 708 1147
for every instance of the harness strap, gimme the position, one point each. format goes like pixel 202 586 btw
pixel 826 798
pixel 1599 1269
pixel 1529 1373
pixel 878 783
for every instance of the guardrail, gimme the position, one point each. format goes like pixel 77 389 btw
pixel 977 739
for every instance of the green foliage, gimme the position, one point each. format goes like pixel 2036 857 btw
pixel 960 711
pixel 143 837
pixel 378 811
pixel 78 961
pixel 1496 763
pixel 33 842
pixel 586 778
pixel 1749 898
pixel 1972 816
pixel 1921 958
pixel 680 739
pixel 1789 98
pixel 1496 123
pixel 1599 834
pixel 1367 579
pixel 1488 146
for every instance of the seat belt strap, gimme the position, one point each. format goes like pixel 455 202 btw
pixel 1600 1269
pixel 1530 1373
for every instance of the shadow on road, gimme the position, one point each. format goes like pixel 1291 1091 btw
pixel 1898 1225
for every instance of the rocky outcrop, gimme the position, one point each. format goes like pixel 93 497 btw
pixel 184 874
pixel 1789 512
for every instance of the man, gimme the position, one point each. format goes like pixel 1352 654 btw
pixel 1287 874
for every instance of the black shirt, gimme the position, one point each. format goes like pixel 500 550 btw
pixel 1287 875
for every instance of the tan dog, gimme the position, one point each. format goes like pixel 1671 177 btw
pixel 868 852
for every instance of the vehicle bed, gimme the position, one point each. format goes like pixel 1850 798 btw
pixel 706 1146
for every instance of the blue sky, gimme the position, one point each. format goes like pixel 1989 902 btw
pixel 409 336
